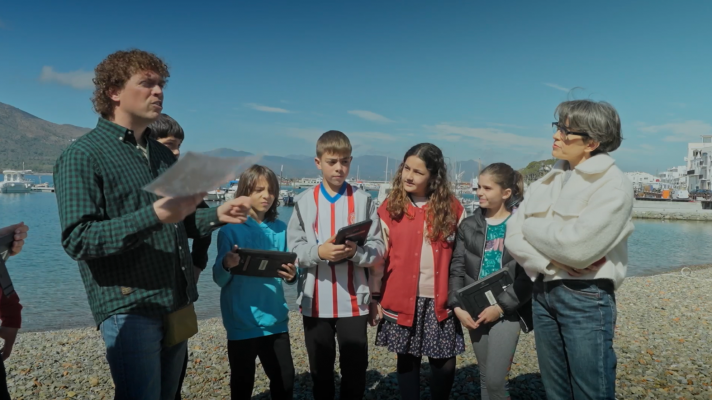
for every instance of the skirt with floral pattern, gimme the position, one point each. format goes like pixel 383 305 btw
pixel 427 336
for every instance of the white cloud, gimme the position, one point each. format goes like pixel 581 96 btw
pixel 492 136
pixel 78 79
pixel 557 87
pixel 370 136
pixel 647 147
pixel 260 107
pixel 369 116
pixel 507 125
pixel 686 131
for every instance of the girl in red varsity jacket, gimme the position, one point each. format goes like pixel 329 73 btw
pixel 419 220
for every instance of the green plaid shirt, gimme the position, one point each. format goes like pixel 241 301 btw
pixel 130 262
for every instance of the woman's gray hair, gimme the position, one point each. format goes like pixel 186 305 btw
pixel 599 119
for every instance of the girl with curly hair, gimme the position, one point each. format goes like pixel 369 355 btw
pixel 419 220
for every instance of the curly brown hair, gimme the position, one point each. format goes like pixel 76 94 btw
pixel 116 70
pixel 440 215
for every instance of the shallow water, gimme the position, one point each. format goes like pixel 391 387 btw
pixel 53 295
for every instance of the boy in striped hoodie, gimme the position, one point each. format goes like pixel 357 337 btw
pixel 334 292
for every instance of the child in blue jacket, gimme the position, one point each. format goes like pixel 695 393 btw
pixel 254 311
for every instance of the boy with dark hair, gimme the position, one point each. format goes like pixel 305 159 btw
pixel 131 245
pixel 334 293
pixel 166 131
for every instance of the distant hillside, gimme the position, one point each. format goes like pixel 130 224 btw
pixel 296 166
pixel 34 141
pixel 38 143
pixel 537 169
pixel 365 167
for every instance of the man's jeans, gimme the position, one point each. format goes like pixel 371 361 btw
pixel 574 324
pixel 140 366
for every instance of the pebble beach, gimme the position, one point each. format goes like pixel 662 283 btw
pixel 662 341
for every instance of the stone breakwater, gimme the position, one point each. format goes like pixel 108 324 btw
pixel 662 341
pixel 683 215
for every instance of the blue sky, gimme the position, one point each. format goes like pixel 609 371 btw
pixel 479 79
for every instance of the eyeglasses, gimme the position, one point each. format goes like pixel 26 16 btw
pixel 561 127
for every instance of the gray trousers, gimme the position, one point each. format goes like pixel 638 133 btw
pixel 494 346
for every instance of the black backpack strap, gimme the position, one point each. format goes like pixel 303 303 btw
pixel 299 216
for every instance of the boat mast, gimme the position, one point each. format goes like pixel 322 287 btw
pixel 386 170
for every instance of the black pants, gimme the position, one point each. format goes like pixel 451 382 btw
pixel 275 354
pixel 353 350
pixel 182 375
pixel 4 394
pixel 442 378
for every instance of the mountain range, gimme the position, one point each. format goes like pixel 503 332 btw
pixel 25 138
pixel 33 141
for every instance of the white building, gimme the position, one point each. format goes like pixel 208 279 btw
pixel 674 178
pixel 641 179
pixel 699 165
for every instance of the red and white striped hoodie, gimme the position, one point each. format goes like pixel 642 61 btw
pixel 329 290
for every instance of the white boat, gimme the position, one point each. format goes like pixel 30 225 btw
pixel 286 197
pixel 306 183
pixel 371 186
pixel 216 195
pixel 470 205
pixel 383 191
pixel 43 187
pixel 232 190
pixel 15 182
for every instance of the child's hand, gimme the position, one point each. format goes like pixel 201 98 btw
pixel 231 259
pixel 351 248
pixel 465 318
pixel 489 315
pixel 288 272
pixel 375 313
pixel 332 252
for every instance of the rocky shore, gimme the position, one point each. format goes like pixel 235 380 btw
pixel 663 344
pixel 701 215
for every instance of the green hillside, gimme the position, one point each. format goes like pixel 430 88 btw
pixel 536 169
pixel 34 141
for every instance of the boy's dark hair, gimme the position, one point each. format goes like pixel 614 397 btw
pixel 166 127
pixel 116 69
pixel 335 142
pixel 248 182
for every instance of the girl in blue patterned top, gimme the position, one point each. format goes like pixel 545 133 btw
pixel 480 251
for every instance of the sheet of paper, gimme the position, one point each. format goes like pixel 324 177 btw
pixel 198 173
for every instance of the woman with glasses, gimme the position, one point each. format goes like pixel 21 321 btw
pixel 570 234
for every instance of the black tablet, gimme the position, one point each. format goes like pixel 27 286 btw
pixel 357 233
pixel 262 263
pixel 5 281
pixel 481 294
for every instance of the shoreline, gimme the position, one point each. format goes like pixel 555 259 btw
pixel 662 341
pixel 665 271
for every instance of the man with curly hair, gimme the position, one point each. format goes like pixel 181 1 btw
pixel 132 246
